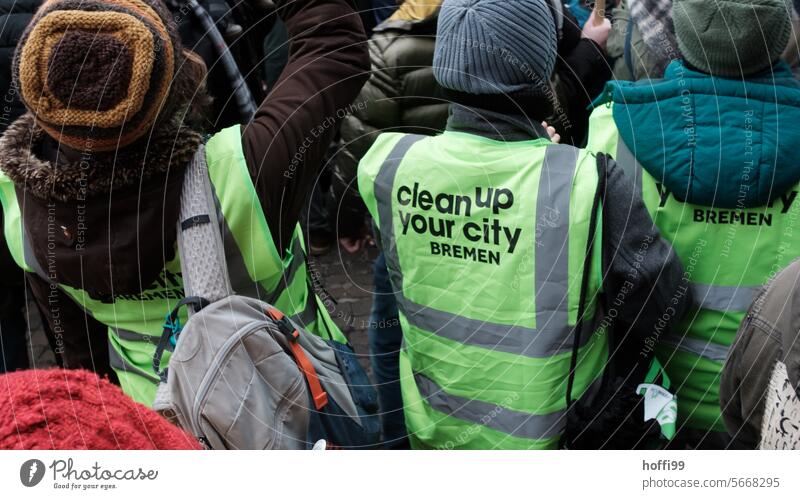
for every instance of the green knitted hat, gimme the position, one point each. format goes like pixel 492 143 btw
pixel 731 38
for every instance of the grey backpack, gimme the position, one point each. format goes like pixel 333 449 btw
pixel 242 375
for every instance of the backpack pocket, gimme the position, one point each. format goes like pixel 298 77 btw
pixel 255 397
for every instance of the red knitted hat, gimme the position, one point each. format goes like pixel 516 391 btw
pixel 64 409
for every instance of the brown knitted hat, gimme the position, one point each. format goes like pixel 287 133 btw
pixel 96 73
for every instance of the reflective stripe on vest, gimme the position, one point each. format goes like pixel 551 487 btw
pixel 706 349
pixel 727 259
pixel 724 298
pixel 515 423
pixel 255 269
pixel 708 296
pixel 120 364
pixel 126 335
pixel 540 419
pixel 555 334
pixel 505 420
pixel 721 299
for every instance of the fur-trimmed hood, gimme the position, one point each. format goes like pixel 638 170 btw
pixel 21 158
pixel 102 222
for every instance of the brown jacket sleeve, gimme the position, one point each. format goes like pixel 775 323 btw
pixel 285 143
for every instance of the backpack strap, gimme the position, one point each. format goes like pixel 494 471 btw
pixel 285 325
pixel 203 263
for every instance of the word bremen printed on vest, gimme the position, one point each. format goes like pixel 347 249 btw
pixel 424 212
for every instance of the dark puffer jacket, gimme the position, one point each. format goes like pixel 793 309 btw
pixel 403 96
pixel 400 96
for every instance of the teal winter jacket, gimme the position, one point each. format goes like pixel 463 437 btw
pixel 699 134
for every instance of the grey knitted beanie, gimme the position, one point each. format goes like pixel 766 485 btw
pixel 495 46
pixel 731 38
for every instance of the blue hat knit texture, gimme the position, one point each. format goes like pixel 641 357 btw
pixel 495 46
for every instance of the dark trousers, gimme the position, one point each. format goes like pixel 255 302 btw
pixel 385 339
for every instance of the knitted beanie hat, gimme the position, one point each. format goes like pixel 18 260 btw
pixel 495 46
pixel 69 410
pixel 96 73
pixel 731 38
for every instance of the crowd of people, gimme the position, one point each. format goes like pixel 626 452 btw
pixel 584 213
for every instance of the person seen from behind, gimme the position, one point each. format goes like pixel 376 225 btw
pixel 711 148
pixel 506 252
pixel 92 174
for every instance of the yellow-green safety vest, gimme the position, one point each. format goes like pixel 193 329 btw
pixel 135 323
pixel 728 256
pixel 486 244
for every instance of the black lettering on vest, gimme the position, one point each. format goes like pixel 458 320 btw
pixel 438 227
pixel 508 200
pixel 788 200
pixel 483 203
pixel 441 207
pixel 450 225
pixel 400 191
pixel 495 228
pixel 512 238
pixel 404 218
pixel 159 283
pixel 470 226
pixel 663 195
pixel 418 224
pixel 732 217
pixel 173 278
pixel 467 202
pixel 425 200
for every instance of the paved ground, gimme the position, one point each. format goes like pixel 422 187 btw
pixel 348 280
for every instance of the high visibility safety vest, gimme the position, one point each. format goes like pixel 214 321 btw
pixel 135 323
pixel 486 243
pixel 728 255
